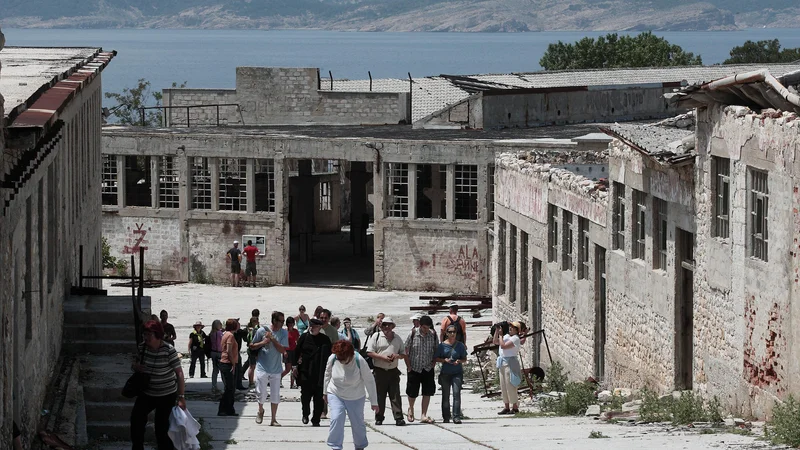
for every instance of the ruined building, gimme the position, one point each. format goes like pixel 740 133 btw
pixel 49 208
pixel 678 272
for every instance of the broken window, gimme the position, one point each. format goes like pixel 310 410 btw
pixel 639 212
pixel 201 183
pixel 397 190
pixel 325 196
pixel 523 272
pixel 137 181
pixel 512 264
pixel 618 219
pixel 501 257
pixel 583 248
pixel 431 191
pixel 552 233
pixel 721 173
pixel 659 234
pixel 490 186
pixel 567 242
pixel 109 186
pixel 466 195
pixel 232 184
pixel 265 185
pixel 168 183
pixel 759 209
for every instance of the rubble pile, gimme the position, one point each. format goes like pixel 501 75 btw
pixel 563 178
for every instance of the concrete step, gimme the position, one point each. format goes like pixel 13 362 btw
pixel 114 411
pixel 82 310
pixel 100 346
pixel 124 330
pixel 118 430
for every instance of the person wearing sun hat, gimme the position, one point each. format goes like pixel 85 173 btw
pixel 386 349
pixel 197 343
pixel 509 366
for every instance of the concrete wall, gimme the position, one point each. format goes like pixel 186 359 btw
pixel 270 95
pixel 46 220
pixel 746 352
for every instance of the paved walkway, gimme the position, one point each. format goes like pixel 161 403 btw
pixel 483 429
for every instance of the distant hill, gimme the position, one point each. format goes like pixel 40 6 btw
pixel 405 15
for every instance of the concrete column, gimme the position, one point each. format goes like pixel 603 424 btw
pixel 154 161
pixel 213 164
pixel 282 218
pixel 412 191
pixel 120 161
pixel 379 190
pixel 451 192
pixel 184 204
pixel 250 184
pixel 483 193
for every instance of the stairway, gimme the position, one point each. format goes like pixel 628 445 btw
pixel 99 332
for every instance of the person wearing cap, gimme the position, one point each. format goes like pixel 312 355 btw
pixel 311 354
pixel 234 256
pixel 197 343
pixel 420 347
pixel 509 367
pixel 387 349
pixel 454 319
pixel 415 320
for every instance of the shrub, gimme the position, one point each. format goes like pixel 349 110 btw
pixel 556 377
pixel 783 428
pixel 597 435
pixel 576 399
pixel 653 408
pixel 688 408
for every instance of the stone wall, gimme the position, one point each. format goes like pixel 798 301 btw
pixel 161 238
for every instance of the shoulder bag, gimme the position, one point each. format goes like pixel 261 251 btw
pixel 137 382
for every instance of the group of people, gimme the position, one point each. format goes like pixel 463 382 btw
pixel 234 258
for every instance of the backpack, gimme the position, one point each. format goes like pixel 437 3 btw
pixel 459 331
pixel 355 355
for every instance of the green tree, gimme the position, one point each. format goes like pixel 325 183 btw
pixel 613 50
pixel 131 100
pixel 768 51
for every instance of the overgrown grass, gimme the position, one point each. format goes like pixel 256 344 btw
pixel 556 377
pixel 597 435
pixel 784 427
pixel 686 409
pixel 576 399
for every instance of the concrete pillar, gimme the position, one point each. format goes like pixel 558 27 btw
pixel 250 185
pixel 184 204
pixel 154 162
pixel 412 191
pixel 451 192
pixel 214 166
pixel 282 217
pixel 120 160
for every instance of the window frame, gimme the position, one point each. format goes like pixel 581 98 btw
pixel 583 248
pixel 758 213
pixel 552 232
pixel 721 178
pixel 639 222
pixel 618 219
pixel 660 233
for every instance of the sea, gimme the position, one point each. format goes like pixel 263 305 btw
pixel 208 58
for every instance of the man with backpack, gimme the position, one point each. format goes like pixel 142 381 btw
pixel 454 319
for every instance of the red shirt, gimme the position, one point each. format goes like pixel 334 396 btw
pixel 294 335
pixel 250 251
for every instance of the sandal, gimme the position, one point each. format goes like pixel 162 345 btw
pixel 427 420
pixel 410 414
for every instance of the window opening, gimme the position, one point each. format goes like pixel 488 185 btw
pixel 137 181
pixel 583 249
pixel 431 191
pixel 325 196
pixel 201 183
pixel 265 185
pixel 490 186
pixel 232 184
pixel 759 209
pixel 618 220
pixel 552 235
pixel 523 272
pixel 168 183
pixel 501 257
pixel 512 264
pixel 639 212
pixel 397 190
pixel 109 179
pixel 466 192
pixel 659 234
pixel 567 242
pixel 722 194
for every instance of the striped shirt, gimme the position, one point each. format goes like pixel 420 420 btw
pixel 420 349
pixel 161 365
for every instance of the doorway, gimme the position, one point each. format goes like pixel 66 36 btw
pixel 684 309
pixel 600 313
pixel 330 222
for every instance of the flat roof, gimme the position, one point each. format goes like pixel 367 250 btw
pixel 29 71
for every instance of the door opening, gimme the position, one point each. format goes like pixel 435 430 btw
pixel 684 312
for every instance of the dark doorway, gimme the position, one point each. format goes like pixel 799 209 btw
pixel 330 223
pixel 684 309
pixel 600 313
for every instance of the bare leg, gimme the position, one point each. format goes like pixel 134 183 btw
pixel 426 400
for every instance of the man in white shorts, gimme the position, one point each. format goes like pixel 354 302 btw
pixel 271 343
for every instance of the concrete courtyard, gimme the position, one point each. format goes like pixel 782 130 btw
pixel 480 430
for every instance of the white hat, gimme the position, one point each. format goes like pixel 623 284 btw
pixel 416 316
pixel 235 242
pixel 388 320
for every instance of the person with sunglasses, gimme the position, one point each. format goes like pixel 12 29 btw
pixel 452 354
pixel 270 343
pixel 387 349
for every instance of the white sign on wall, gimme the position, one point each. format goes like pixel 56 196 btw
pixel 259 242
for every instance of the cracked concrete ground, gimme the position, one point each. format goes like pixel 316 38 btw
pixel 483 429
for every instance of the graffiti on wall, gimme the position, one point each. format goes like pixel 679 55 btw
pixel 136 239
pixel 466 263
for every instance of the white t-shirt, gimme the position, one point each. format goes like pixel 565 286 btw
pixel 350 381
pixel 513 351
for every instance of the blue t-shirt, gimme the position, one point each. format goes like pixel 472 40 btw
pixel 269 359
pixel 451 352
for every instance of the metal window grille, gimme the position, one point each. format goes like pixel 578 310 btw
pixel 109 181
pixel 583 248
pixel 524 295
pixel 639 217
pixel 265 185
pixel 552 235
pixel 512 264
pixel 201 183
pixel 397 186
pixel 722 194
pixel 567 242
pixel 168 183
pixel 659 234
pixel 501 257
pixel 466 195
pixel 619 216
pixel 759 213
pixel 325 196
pixel 232 184
pixel 490 203
pixel 431 192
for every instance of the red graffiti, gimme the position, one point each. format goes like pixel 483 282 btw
pixel 138 239
pixel 467 264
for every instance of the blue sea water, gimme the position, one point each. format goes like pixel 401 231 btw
pixel 208 58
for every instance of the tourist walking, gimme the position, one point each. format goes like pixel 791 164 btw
pixel 240 334
pixel 234 257
pixel 197 350
pixel 288 359
pixel 350 334
pixel 347 378
pixel 165 386
pixel 252 355
pixel 301 320
pixel 313 349
pixel 452 354
pixel 169 330
pixel 387 349
pixel 250 252
pixel 328 329
pixel 270 344
pixel 509 367
pixel 215 341
pixel 227 367
pixel 415 320
pixel 453 318
pixel 420 346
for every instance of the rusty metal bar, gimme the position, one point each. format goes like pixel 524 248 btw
pixel 370 80
pixel 331 76
pixel 141 273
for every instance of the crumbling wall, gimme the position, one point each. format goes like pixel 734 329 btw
pixel 160 236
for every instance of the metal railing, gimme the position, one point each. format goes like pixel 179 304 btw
pixel 163 117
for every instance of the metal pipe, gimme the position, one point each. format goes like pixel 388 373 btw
pixel 141 272
pixel 762 75
pixel 187 117
pixel 370 80
pixel 331 76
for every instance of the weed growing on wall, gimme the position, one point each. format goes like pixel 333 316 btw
pixel 783 428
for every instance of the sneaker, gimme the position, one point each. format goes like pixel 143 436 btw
pixel 504 412
pixel 515 411
pixel 400 422
pixel 457 421
pixel 260 417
